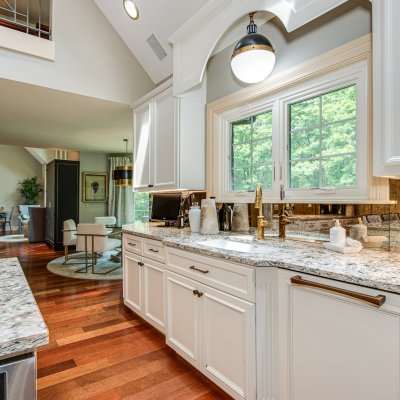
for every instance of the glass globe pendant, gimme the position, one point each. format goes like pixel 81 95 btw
pixel 253 58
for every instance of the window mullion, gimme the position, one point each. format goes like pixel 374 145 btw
pixel 320 141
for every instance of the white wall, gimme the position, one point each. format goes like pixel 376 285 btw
pixel 15 164
pixel 90 58
pixel 342 25
pixel 92 162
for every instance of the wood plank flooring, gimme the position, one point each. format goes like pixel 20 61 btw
pixel 99 349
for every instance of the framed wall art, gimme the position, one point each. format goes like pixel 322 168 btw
pixel 94 187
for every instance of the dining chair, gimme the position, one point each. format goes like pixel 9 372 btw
pixel 7 220
pixel 69 236
pixel 93 238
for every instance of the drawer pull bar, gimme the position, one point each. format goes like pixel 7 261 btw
pixel 154 251
pixel 375 300
pixel 131 244
pixel 199 270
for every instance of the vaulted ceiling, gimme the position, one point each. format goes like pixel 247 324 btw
pixel 157 17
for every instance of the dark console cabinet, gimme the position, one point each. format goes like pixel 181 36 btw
pixel 62 199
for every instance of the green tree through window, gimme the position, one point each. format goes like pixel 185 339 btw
pixel 251 152
pixel 141 205
pixel 322 140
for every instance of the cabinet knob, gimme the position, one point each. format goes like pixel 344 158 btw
pixel 140 264
pixel 197 293
pixel 150 185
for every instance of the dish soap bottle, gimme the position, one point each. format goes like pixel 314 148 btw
pixel 338 235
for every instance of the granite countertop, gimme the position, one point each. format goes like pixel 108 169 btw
pixel 22 327
pixel 370 268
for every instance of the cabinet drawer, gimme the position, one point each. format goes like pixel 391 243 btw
pixel 133 244
pixel 154 250
pixel 226 276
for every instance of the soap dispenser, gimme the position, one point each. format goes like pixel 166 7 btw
pixel 338 235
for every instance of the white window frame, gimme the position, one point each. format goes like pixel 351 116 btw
pixel 338 68
pixel 256 108
pixel 354 74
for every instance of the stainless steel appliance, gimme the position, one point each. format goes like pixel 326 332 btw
pixel 18 377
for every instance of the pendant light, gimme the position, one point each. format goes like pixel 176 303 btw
pixel 131 8
pixel 123 175
pixel 253 58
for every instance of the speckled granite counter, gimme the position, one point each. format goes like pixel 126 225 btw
pixel 374 269
pixel 22 326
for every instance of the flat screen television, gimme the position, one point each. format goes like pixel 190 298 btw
pixel 165 207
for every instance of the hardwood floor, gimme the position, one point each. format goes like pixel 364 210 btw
pixel 99 349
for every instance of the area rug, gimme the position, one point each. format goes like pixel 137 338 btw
pixel 77 261
pixel 13 239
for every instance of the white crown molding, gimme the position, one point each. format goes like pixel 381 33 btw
pixel 194 42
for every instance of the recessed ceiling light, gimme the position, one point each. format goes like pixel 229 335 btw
pixel 131 8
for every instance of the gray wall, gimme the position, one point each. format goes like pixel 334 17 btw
pixel 92 162
pixel 15 164
pixel 343 24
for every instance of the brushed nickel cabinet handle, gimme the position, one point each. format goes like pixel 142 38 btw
pixel 154 251
pixel 199 270
pixel 375 300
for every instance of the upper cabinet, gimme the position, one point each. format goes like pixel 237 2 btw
pixel 386 98
pixel 169 142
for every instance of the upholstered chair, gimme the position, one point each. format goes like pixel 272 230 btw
pixel 69 236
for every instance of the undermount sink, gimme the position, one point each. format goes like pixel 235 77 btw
pixel 225 244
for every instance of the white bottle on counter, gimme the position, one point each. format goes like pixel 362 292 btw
pixel 194 218
pixel 338 235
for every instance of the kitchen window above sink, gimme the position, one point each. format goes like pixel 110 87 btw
pixel 306 140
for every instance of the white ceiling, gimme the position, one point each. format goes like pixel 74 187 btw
pixel 159 17
pixel 33 116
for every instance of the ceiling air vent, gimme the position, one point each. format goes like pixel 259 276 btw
pixel 156 47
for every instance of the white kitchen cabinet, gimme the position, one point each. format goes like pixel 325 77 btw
pixel 386 88
pixel 228 342
pixel 142 144
pixel 333 346
pixel 182 317
pixel 132 270
pixel 212 329
pixel 153 293
pixel 169 142
pixel 143 284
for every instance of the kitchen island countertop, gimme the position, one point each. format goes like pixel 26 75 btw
pixel 369 268
pixel 22 327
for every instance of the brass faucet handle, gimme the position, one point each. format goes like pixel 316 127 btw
pixel 265 223
pixel 258 201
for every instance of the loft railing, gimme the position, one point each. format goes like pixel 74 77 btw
pixel 29 16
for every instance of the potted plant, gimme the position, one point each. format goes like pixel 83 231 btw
pixel 30 189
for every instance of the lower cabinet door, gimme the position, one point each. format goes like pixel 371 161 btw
pixel 334 347
pixel 182 316
pixel 133 270
pixel 153 293
pixel 228 342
